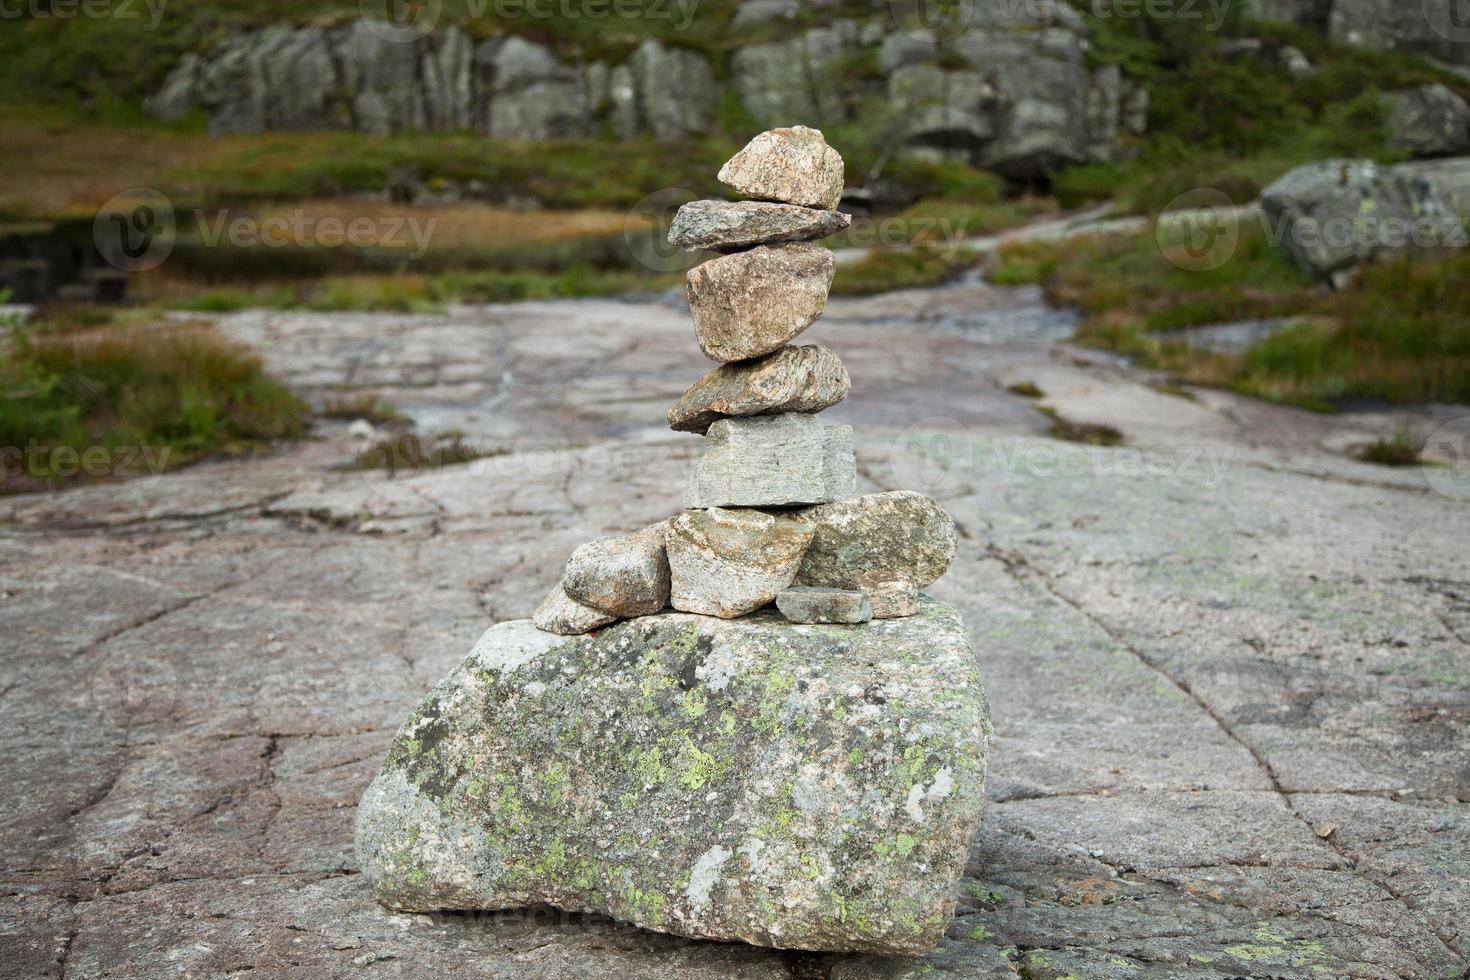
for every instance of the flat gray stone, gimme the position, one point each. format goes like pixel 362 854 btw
pixel 727 226
pixel 749 780
pixel 793 379
pixel 623 576
pixel 773 461
pixel 752 303
pixel 793 166
pixel 560 613
pixel 727 563
pixel 804 604
pixel 903 533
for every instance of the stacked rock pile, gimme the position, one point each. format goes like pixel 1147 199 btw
pixel 772 508
pixel 806 779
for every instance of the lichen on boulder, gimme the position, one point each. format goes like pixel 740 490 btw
pixel 811 787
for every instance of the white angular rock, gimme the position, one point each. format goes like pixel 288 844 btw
pixel 799 788
pixel 773 461
pixel 623 576
pixel 560 613
pixel 805 604
pixel 727 563
pixel 793 166
pixel 902 533
pixel 752 303
pixel 793 379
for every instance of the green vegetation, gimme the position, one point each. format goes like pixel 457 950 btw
pixel 1088 433
pixel 883 270
pixel 79 399
pixel 1236 122
pixel 1400 449
pixel 1026 389
pixel 1401 333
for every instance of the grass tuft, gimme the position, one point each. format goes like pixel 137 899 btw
pixel 80 402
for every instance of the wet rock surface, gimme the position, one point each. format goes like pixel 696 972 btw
pixel 1230 737
pixel 743 780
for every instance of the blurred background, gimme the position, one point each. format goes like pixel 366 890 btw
pixel 169 162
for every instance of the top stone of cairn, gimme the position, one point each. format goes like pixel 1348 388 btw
pixel 793 166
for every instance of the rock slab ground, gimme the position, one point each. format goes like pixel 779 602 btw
pixel 811 788
pixel 1230 738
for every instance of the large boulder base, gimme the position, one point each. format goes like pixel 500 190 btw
pixel 752 303
pixel 812 787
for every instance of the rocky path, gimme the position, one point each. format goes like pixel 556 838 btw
pixel 1229 666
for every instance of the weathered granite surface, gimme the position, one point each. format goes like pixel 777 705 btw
pixel 773 461
pixel 728 563
pixel 727 226
pixel 792 166
pixel 811 788
pixel 1201 651
pixel 793 379
pixel 752 303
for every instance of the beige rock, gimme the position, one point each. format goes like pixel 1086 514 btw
pixel 752 303
pixel 773 461
pixel 903 533
pixel 793 379
pixel 727 563
pixel 891 595
pixel 624 576
pixel 794 166
pixel 560 613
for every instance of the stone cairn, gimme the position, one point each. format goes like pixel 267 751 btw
pixel 810 778
pixel 772 507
